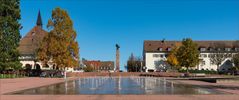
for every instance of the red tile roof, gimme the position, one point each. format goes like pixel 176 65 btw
pixel 31 41
pixel 154 46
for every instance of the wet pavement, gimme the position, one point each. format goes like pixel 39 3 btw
pixel 11 85
pixel 118 86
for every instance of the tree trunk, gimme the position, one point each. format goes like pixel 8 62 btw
pixel 187 70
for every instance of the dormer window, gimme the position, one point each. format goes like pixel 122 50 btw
pixel 210 49
pixel 169 49
pixel 160 49
pixel 236 49
pixel 202 49
pixel 33 33
pixel 227 49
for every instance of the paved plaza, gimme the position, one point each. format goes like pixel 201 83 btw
pixel 11 85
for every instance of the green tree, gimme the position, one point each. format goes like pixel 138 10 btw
pixel 88 69
pixel 188 54
pixel 172 58
pixel 134 64
pixel 236 60
pixel 9 34
pixel 60 45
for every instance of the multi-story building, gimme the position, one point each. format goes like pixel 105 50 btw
pixel 107 66
pixel 98 65
pixel 155 54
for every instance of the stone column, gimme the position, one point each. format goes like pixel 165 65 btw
pixel 117 69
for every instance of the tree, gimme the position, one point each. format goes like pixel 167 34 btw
pixel 172 58
pixel 219 55
pixel 9 34
pixel 236 60
pixel 134 64
pixel 188 54
pixel 60 46
pixel 88 69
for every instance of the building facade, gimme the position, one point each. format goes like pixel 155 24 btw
pixel 29 44
pixel 155 54
pixel 99 66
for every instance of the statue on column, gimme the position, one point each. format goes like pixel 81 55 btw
pixel 117 69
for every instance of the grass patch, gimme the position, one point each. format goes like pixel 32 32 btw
pixel 2 76
pixel 200 71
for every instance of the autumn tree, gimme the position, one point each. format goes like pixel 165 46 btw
pixel 9 34
pixel 172 58
pixel 188 54
pixel 60 46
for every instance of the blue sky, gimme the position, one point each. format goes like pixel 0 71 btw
pixel 100 24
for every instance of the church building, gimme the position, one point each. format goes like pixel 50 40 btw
pixel 30 43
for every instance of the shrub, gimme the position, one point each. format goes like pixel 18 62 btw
pixel 199 71
pixel 88 69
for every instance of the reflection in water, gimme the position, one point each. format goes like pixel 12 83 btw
pixel 119 85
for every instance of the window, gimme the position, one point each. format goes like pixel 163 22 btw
pixel 202 63
pixel 33 33
pixel 212 62
pixel 160 49
pixel 210 49
pixel 169 49
pixel 202 49
pixel 209 55
pixel 236 49
pixel 227 49
pixel 166 55
pixel 229 55
pixel 156 55
pixel 203 55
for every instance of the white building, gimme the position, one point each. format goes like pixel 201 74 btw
pixel 155 54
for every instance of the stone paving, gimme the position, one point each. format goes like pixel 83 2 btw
pixel 10 85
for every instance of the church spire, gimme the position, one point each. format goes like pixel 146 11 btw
pixel 39 22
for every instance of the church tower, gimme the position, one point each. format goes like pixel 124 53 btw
pixel 39 21
pixel 30 43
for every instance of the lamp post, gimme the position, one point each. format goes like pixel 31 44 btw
pixel 141 66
